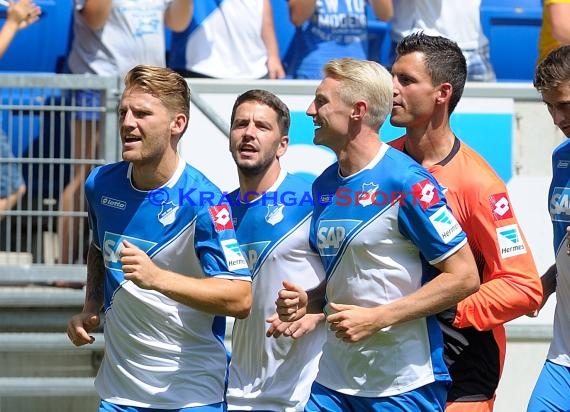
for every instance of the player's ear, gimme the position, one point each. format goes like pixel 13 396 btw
pixel 359 109
pixel 444 93
pixel 283 145
pixel 178 123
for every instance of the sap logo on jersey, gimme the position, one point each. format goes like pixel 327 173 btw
pixel 445 224
pixel 253 251
pixel 332 233
pixel 560 204
pixel 232 252
pixel 113 244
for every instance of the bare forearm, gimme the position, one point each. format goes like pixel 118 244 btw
pixel 441 293
pixel 268 31
pixel 211 295
pixel 7 33
pixel 94 286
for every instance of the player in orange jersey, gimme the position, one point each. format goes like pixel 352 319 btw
pixel 429 75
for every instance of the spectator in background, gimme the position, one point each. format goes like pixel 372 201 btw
pixel 459 21
pixel 552 80
pixel 555 30
pixel 233 39
pixel 109 38
pixel 271 374
pixel 164 262
pixel 429 76
pixel 12 186
pixel 327 30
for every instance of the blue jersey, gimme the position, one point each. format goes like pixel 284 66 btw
pixel 559 207
pixel 273 231
pixel 336 29
pixel 160 353
pixel 374 231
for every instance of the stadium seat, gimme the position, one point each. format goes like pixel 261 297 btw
pixel 512 27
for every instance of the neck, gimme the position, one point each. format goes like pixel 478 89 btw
pixel 429 147
pixel 257 183
pixel 358 153
pixel 151 175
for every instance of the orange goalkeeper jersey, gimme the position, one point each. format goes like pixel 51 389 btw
pixel 510 285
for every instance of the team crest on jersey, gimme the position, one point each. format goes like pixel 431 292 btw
pixel 563 164
pixel 510 241
pixel 113 244
pixel 167 213
pixel 114 203
pixel 233 255
pixel 274 214
pixel 445 224
pixel 253 251
pixel 221 217
pixel 559 205
pixel 425 193
pixel 332 233
pixel 368 189
pixel 500 206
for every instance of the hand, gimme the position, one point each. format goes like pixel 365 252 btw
pixel 23 13
pixel 291 302
pixel 138 267
pixel 275 68
pixel 353 323
pixel 293 329
pixel 80 325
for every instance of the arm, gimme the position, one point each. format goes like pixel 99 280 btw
pixel 383 9
pixel 80 325
pixel 548 280
pixel 560 21
pixel 18 16
pixel 274 67
pixel 178 15
pixel 301 10
pixel 96 13
pixel 212 295
pixel 510 285
pixel 458 279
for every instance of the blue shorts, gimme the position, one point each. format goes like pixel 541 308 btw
pixel 87 98
pixel 105 406
pixel 430 397
pixel 10 176
pixel 552 389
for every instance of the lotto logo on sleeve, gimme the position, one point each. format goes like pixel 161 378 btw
pixel 510 241
pixel 445 224
pixel 221 218
pixel 425 193
pixel 500 206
